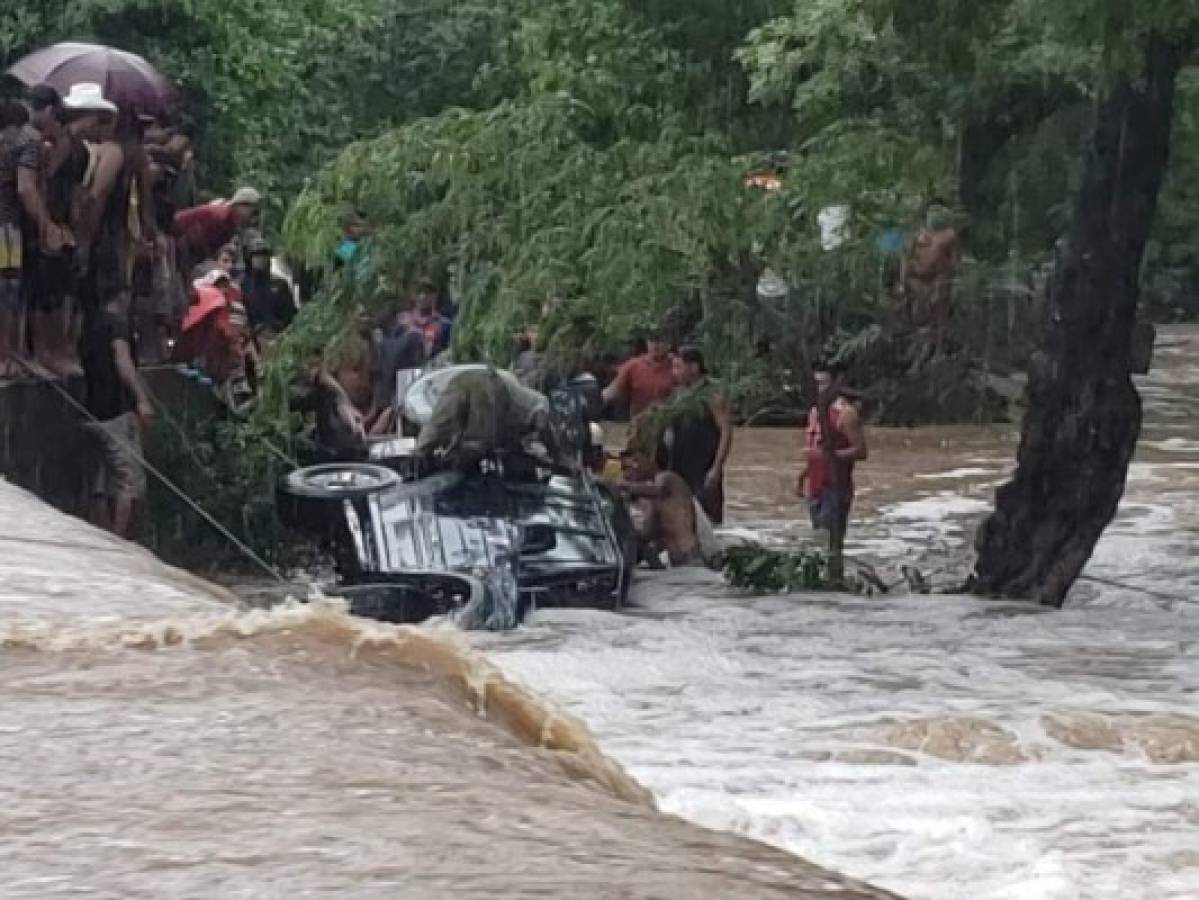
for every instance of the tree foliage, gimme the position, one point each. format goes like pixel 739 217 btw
pixel 586 160
pixel 278 87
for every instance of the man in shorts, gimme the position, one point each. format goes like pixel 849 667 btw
pixel 120 405
pixel 826 480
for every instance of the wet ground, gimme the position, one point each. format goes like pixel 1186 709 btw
pixel 943 747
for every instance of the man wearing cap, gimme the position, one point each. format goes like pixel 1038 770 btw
pixel 268 299
pixel 202 230
pixel 644 380
pixel 102 204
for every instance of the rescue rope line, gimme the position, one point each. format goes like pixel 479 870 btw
pixel 170 485
pixel 1158 595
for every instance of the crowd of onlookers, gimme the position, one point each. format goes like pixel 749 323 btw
pixel 109 263
pixel 107 260
pixel 352 388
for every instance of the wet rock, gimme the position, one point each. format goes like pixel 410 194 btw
pixel 1084 732
pixel 1165 740
pixel 957 739
pixel 1168 740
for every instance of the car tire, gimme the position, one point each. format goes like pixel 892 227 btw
pixel 340 481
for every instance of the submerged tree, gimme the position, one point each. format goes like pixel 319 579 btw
pixel 1084 414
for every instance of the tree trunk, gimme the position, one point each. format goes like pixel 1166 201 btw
pixel 1084 415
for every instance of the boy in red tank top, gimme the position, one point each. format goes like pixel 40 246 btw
pixel 826 479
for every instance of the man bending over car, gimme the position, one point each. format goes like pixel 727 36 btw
pixel 480 412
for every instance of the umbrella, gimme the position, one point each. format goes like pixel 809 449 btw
pixel 127 79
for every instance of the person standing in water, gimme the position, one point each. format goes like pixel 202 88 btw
pixel 826 479
pixel 701 432
pixel 666 516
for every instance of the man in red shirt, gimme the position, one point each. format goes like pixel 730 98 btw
pixel 644 380
pixel 203 230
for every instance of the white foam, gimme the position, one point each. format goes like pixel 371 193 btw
pixel 954 474
pixel 771 717
pixel 937 509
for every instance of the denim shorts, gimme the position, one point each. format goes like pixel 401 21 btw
pixel 828 509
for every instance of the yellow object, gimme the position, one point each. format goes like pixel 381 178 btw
pixel 10 248
pixel 613 470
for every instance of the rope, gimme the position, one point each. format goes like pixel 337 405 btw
pixel 187 442
pixel 1148 592
pixel 170 485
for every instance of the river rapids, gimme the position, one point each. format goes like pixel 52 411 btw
pixel 939 746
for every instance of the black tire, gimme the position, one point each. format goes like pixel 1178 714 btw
pixel 407 601
pixel 340 481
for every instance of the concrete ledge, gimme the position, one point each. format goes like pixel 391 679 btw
pixel 43 445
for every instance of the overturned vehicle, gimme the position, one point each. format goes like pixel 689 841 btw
pixel 482 545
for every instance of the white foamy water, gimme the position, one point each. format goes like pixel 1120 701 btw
pixel 944 747
pixel 936 746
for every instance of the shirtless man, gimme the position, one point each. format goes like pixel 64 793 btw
pixel 926 278
pixel 666 508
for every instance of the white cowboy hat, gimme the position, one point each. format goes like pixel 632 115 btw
pixel 88 97
pixel 246 196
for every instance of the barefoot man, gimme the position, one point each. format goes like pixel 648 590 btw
pixel 666 508
pixel 826 480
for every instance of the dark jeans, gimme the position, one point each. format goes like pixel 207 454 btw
pixel 829 509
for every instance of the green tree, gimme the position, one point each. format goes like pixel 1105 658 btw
pixel 279 87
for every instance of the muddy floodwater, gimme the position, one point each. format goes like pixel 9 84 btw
pixel 939 746
pixel 156 740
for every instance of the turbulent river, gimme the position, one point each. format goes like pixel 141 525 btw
pixel 938 746
pixel 157 741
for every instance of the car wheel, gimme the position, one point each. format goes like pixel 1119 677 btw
pixel 340 481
